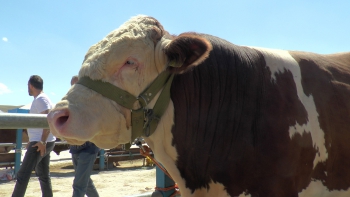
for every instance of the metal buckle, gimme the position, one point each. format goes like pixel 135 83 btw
pixel 138 143
pixel 148 118
pixel 144 99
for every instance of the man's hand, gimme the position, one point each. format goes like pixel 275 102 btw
pixel 41 148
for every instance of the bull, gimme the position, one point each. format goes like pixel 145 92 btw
pixel 224 120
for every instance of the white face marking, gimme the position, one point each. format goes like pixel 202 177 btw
pixel 278 61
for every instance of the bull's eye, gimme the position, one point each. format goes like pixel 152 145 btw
pixel 129 62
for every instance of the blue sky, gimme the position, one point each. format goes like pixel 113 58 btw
pixel 50 38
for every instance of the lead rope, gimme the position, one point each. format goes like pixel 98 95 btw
pixel 145 151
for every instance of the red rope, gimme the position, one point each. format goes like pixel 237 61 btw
pixel 168 189
pixel 146 153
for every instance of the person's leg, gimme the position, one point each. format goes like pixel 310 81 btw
pixel 91 190
pixel 43 171
pixel 23 175
pixel 82 184
pixel 75 161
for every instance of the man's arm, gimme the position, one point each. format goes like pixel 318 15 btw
pixel 46 132
pixel 42 145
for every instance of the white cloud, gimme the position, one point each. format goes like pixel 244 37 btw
pixel 4 89
pixel 4 39
pixel 52 93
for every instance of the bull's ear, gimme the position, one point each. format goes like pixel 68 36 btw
pixel 185 51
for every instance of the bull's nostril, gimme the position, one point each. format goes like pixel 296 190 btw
pixel 58 121
pixel 62 120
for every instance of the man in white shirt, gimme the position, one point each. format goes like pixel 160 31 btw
pixel 41 143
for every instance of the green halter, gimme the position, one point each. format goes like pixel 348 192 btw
pixel 144 121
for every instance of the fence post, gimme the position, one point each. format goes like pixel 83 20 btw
pixel 19 135
pixel 163 181
pixel 18 150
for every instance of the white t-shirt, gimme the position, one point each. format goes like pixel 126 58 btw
pixel 39 104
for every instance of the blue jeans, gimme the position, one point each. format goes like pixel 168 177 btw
pixel 33 160
pixel 83 163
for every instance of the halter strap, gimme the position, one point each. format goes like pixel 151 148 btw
pixel 110 91
pixel 144 121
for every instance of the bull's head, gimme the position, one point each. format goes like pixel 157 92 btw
pixel 129 58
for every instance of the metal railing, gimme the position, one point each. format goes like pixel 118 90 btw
pixel 22 121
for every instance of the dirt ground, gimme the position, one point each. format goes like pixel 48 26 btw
pixel 130 178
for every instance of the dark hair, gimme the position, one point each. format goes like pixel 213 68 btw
pixel 36 81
